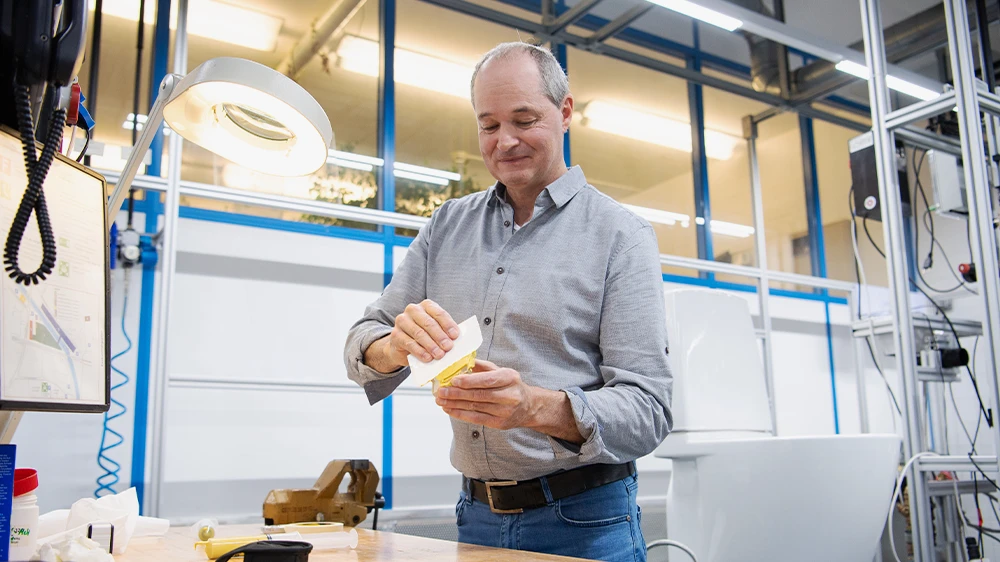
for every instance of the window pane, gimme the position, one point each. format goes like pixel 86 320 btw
pixel 344 83
pixel 729 179
pixel 435 125
pixel 783 189
pixel 631 135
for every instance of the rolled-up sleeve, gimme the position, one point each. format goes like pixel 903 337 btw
pixel 629 416
pixel 408 285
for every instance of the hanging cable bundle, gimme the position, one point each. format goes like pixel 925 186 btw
pixel 33 199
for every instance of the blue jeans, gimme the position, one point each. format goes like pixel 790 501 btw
pixel 600 524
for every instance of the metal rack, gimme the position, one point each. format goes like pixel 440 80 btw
pixel 968 100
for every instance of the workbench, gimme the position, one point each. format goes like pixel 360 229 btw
pixel 373 546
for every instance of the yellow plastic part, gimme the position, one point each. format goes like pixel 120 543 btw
pixel 215 548
pixel 460 367
pixel 309 527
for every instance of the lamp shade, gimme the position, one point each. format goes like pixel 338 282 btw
pixel 252 115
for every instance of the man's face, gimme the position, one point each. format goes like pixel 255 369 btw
pixel 520 130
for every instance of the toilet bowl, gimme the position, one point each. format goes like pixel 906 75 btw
pixel 738 493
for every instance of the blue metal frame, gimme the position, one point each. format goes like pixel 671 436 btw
pixel 161 56
pixel 151 208
pixel 387 193
pixel 814 218
pixel 699 161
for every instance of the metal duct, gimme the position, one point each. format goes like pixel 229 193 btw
pixel 327 27
pixel 917 34
pixel 765 69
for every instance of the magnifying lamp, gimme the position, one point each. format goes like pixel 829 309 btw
pixel 241 110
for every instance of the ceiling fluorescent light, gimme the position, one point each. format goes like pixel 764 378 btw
pixel 140 122
pixel 658 216
pixel 400 169
pixel 350 164
pixel 702 13
pixel 213 20
pixel 910 88
pixel 727 228
pixel 420 177
pixel 851 67
pixel 427 171
pixel 902 86
pixel 370 160
pixel 361 55
pixel 654 129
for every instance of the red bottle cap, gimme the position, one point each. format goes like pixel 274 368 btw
pixel 963 268
pixel 25 481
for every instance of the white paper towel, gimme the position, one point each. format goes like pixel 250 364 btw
pixel 121 510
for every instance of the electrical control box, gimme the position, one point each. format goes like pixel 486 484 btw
pixel 948 182
pixel 864 177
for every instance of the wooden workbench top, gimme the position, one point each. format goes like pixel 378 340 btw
pixel 373 546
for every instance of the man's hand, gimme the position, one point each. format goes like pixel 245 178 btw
pixel 498 398
pixel 424 330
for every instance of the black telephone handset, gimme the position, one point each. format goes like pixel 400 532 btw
pixel 47 39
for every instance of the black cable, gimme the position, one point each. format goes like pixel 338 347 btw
pixel 979 513
pixel 972 377
pixel 95 63
pixel 135 99
pixel 33 200
pixel 864 223
pixel 985 48
pixel 917 166
pixel 928 223
pixel 879 369
pixel 86 145
pixel 951 267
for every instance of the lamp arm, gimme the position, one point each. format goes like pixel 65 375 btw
pixel 138 153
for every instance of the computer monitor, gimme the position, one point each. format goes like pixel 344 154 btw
pixel 55 336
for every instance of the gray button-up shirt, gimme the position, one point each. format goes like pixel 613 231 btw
pixel 573 301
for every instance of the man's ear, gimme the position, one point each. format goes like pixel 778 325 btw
pixel 567 111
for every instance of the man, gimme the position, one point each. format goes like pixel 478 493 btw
pixel 573 382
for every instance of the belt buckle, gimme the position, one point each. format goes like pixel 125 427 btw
pixel 489 496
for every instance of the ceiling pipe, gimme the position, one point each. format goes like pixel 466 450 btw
pixel 765 55
pixel 322 30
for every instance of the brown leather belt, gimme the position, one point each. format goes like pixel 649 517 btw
pixel 510 496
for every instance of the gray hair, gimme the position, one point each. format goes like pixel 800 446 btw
pixel 554 81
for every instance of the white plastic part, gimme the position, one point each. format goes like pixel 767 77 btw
pixel 469 339
pixel 332 541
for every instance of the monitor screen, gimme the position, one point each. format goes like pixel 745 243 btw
pixel 54 346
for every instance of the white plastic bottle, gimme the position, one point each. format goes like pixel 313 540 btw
pixel 24 515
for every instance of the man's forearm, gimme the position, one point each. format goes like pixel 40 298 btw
pixel 554 416
pixel 377 357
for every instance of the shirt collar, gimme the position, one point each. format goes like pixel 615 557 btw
pixel 560 191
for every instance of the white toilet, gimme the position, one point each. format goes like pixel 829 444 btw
pixel 737 493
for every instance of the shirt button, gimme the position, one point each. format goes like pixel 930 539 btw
pixel 475 435
pixel 506 223
pixel 499 271
pixel 487 320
